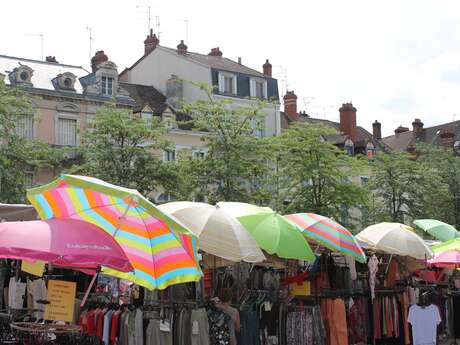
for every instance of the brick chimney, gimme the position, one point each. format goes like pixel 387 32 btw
pixel 377 130
pixel 97 59
pixel 267 68
pixel 348 121
pixel 51 59
pixel 181 48
pixel 417 128
pixel 447 138
pixel 215 52
pixel 290 105
pixel 150 42
pixel 401 129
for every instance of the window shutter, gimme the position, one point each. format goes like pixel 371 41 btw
pixel 67 132
pixel 252 84
pixel 221 83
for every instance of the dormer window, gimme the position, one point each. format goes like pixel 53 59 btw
pixel 21 75
pixel 107 86
pixel 65 81
pixel 227 83
pixel 258 88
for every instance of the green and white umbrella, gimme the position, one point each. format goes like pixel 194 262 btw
pixel 439 230
pixel 272 232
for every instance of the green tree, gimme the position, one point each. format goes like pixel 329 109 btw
pixel 18 155
pixel 401 186
pixel 443 198
pixel 120 148
pixel 234 167
pixel 313 175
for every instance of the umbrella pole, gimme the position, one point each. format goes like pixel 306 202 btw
pixel 88 290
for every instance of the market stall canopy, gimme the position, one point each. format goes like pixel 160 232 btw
pixel 67 243
pixel 395 238
pixel 439 230
pixel 329 233
pixel 446 246
pixel 273 233
pixel 449 259
pixel 17 212
pixel 161 249
pixel 218 232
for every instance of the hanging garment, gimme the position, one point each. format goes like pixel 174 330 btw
pixel 200 327
pixel 373 265
pixel 249 334
pixel 424 321
pixel 16 293
pixel 106 327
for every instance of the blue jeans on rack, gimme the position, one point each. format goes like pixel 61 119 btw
pixel 249 334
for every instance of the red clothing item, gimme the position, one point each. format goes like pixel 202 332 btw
pixel 114 327
pixel 100 324
pixel 83 323
pixel 91 322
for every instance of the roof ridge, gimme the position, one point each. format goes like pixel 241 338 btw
pixel 40 61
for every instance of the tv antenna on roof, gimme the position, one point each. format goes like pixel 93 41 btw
pixel 90 32
pixel 149 15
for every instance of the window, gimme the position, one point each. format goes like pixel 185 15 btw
pixel 258 127
pixel 199 154
pixel 364 180
pixel 146 115
pixel 29 179
pixel 227 83
pixel 67 132
pixel 258 88
pixel 25 126
pixel 107 86
pixel 169 155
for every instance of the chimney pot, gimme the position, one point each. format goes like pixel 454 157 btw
pixel 151 42
pixel 348 121
pixel 267 68
pixel 239 60
pixel 447 136
pixel 377 130
pixel 401 129
pixel 215 52
pixel 182 48
pixel 290 105
pixel 97 59
pixel 417 128
pixel 51 59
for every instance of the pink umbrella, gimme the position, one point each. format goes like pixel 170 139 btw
pixel 67 243
pixel 449 258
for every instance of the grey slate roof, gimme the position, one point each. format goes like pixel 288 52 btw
pixel 430 135
pixel 220 63
pixel 44 72
pixel 146 95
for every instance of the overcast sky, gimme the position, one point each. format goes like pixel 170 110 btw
pixel 395 60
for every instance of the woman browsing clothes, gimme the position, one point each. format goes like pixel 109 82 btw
pixel 234 325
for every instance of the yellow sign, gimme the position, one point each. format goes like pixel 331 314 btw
pixel 61 298
pixel 36 268
pixel 301 290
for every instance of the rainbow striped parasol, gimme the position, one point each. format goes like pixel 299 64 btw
pixel 162 251
pixel 329 233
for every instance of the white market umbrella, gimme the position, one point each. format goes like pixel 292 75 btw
pixel 395 238
pixel 218 232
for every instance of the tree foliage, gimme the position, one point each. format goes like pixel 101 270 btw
pixel 405 187
pixel 119 147
pixel 18 155
pixel 234 162
pixel 313 175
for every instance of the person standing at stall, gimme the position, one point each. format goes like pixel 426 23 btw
pixel 234 326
